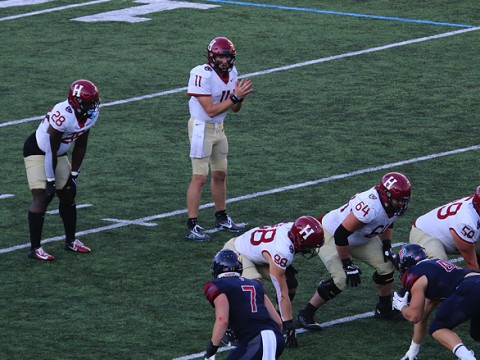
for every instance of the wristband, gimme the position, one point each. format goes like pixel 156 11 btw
pixel 50 179
pixel 74 173
pixel 235 99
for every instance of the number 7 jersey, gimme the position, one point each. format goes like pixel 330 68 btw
pixel 459 215
pixel 272 239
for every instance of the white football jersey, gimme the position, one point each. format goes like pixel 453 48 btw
pixel 367 208
pixel 272 239
pixel 204 81
pixel 459 215
pixel 63 119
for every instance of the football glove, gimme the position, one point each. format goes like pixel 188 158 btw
pixel 353 272
pixel 290 334
pixel 412 352
pixel 400 302
pixel 389 253
pixel 70 187
pixel 49 193
pixel 211 351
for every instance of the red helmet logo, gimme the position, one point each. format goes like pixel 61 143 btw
pixel 84 98
pixel 395 192
pixel 306 234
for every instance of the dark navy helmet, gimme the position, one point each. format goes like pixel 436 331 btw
pixel 225 264
pixel 410 255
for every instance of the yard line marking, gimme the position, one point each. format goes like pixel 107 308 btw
pixel 369 16
pixel 254 195
pixel 6 196
pixel 56 211
pixel 130 222
pixel 269 71
pixel 52 10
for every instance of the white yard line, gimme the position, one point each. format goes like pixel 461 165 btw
pixel 146 220
pixel 269 71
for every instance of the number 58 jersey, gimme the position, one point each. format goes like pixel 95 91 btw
pixel 271 239
pixel 459 215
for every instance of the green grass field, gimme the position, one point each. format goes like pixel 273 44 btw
pixel 345 91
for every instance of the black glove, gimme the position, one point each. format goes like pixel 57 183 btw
pixel 389 253
pixel 211 350
pixel 353 272
pixel 290 334
pixel 70 187
pixel 49 193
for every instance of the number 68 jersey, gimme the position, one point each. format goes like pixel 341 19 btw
pixel 272 239
pixel 459 215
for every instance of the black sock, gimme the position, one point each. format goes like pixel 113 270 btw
pixel 35 225
pixel 385 301
pixel 191 222
pixel 221 215
pixel 310 310
pixel 68 213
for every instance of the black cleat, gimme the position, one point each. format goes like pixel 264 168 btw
pixel 307 322
pixel 388 314
pixel 229 225
pixel 197 234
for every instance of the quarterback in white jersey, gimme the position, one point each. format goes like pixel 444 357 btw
pixel 268 252
pixel 361 229
pixel 214 89
pixel 453 228
pixel 48 169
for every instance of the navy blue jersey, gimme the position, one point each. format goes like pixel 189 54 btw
pixel 248 314
pixel 443 277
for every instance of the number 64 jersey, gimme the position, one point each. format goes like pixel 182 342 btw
pixel 271 239
pixel 459 215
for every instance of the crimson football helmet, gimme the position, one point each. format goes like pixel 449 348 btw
pixel 476 200
pixel 221 46
pixel 83 97
pixel 395 192
pixel 226 262
pixel 410 255
pixel 307 235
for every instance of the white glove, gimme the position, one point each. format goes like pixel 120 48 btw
pixel 412 352
pixel 400 302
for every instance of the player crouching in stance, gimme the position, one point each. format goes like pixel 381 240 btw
pixel 242 305
pixel 268 252
pixel 48 170
pixel 435 282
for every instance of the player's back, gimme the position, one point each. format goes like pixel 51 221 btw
pixel 248 314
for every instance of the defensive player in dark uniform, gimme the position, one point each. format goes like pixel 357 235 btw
pixel 435 282
pixel 242 305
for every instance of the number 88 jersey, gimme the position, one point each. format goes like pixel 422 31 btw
pixel 271 239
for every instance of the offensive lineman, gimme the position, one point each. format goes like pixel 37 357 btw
pixel 48 168
pixel 451 229
pixel 214 89
pixel 268 252
pixel 361 229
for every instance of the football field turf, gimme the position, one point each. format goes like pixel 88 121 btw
pixel 345 91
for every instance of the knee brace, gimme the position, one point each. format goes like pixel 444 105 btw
pixel 328 290
pixel 382 279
